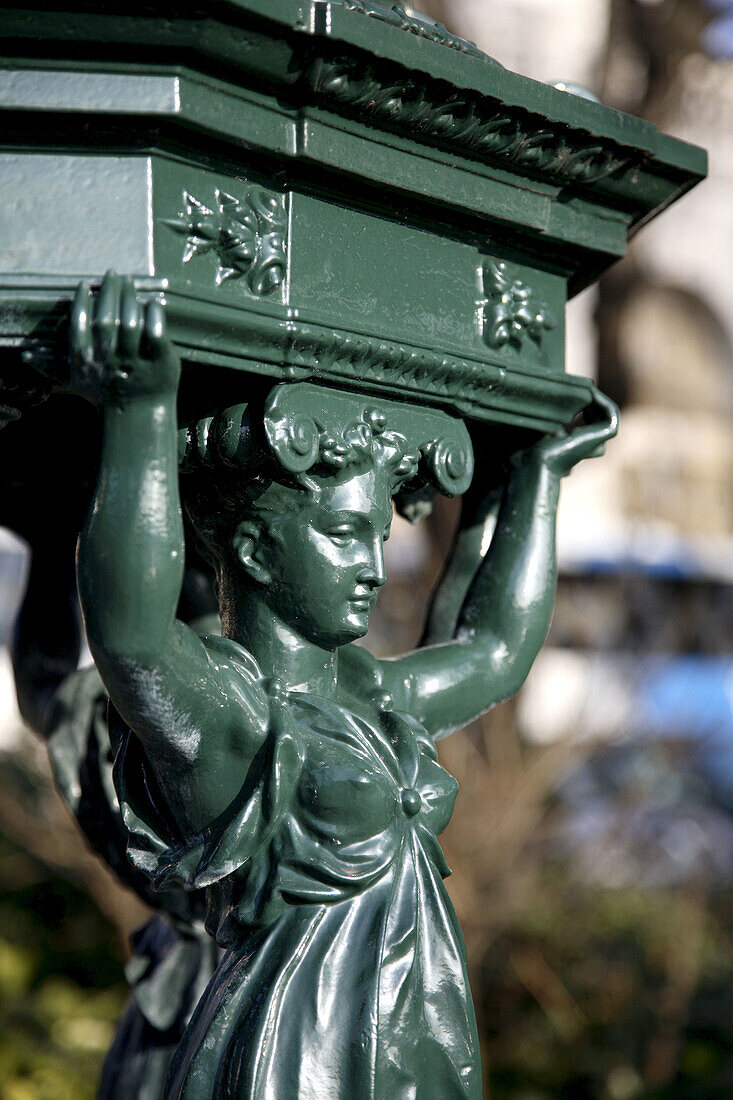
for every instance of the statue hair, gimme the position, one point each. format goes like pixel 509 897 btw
pixel 217 499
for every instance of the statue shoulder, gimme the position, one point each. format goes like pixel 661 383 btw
pixel 363 678
pixel 238 671
pixel 233 653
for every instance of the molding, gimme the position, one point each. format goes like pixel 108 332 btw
pixel 248 238
pixel 469 386
pixel 261 339
pixel 375 361
pixel 511 310
pixel 396 16
pixel 479 126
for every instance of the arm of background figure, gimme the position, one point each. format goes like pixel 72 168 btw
pixel 187 709
pixel 43 503
pixel 46 639
pixel 506 614
pixel 45 644
pixel 479 513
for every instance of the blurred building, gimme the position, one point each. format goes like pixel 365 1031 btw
pixel 617 758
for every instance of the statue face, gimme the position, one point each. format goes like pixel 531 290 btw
pixel 325 559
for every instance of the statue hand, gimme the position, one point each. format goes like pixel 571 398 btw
pixel 561 452
pixel 118 346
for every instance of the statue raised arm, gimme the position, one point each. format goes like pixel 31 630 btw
pixel 171 958
pixel 494 614
pixel 281 768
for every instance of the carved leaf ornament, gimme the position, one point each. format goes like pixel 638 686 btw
pixel 512 310
pixel 248 238
pixel 480 126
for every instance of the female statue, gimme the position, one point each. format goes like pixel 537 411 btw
pixel 280 767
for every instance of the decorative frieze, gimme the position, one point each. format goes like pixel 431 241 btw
pixel 476 125
pixel 379 361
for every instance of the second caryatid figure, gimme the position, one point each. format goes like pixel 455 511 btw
pixel 281 768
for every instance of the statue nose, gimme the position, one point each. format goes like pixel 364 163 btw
pixel 375 578
pixel 374 572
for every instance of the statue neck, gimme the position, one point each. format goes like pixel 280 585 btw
pixel 280 651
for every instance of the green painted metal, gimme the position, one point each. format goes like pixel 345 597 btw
pixel 279 767
pixel 385 174
pixel 346 241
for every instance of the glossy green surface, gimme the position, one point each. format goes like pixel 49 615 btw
pixel 322 190
pixel 281 768
pixel 347 239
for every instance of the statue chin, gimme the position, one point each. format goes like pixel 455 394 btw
pixel 349 630
pixel 359 630
pixel 327 629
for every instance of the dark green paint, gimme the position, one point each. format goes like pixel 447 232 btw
pixel 348 240
pixel 286 771
pixel 372 137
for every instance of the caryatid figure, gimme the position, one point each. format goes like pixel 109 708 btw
pixel 280 767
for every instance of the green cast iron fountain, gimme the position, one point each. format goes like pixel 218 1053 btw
pixel 345 239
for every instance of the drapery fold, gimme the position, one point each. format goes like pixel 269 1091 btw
pixel 345 974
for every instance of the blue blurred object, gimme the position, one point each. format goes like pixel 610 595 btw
pixel 692 697
pixel 634 816
pixel 670 559
pixel 655 805
pixel 688 696
pixel 718 35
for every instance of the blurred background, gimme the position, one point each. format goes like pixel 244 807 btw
pixel 592 844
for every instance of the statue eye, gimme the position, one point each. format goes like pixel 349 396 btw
pixel 341 535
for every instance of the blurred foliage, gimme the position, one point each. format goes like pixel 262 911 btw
pixel 61 986
pixel 584 990
pixel 608 994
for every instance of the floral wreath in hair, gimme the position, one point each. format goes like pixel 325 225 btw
pixel 304 441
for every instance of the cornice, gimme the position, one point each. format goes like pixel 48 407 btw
pixel 263 340
pixel 374 64
pixel 473 125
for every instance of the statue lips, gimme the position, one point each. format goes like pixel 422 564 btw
pixel 364 601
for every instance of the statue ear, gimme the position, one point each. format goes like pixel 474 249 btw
pixel 245 543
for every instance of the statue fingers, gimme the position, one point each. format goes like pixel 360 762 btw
pixel 602 426
pixel 157 365
pixel 81 345
pixel 590 439
pixel 603 413
pixel 131 324
pixel 106 319
pixel 155 343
